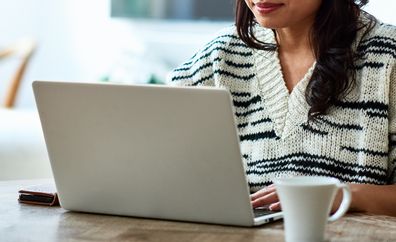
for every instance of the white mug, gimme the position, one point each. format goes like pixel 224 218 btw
pixel 306 202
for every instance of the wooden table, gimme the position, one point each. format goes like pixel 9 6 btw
pixel 19 222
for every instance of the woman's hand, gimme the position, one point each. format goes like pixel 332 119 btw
pixel 376 199
pixel 266 197
pixel 368 198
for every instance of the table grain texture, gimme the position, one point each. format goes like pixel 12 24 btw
pixel 20 222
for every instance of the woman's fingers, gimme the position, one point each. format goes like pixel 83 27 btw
pixel 266 197
pixel 265 200
pixel 275 206
pixel 262 192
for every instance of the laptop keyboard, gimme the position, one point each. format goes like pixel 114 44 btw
pixel 258 212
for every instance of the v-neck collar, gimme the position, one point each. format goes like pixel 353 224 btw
pixel 287 110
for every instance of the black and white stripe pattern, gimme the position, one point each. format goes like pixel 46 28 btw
pixel 355 142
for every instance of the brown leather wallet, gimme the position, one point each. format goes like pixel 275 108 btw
pixel 44 194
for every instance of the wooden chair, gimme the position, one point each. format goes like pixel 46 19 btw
pixel 24 49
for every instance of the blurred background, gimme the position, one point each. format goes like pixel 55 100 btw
pixel 127 41
pixel 92 40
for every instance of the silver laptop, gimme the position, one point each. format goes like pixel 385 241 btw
pixel 146 151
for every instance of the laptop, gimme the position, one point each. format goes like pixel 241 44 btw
pixel 147 151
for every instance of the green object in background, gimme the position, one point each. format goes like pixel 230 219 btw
pixel 154 80
pixel 127 8
pixel 104 79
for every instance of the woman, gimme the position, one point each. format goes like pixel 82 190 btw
pixel 314 90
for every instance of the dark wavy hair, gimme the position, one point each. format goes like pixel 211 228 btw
pixel 332 34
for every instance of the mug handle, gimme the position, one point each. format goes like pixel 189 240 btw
pixel 346 201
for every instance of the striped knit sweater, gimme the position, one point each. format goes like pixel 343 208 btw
pixel 355 142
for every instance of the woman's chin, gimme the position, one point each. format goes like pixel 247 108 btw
pixel 270 23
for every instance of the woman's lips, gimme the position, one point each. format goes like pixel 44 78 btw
pixel 266 8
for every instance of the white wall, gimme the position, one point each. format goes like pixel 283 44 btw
pixel 384 10
pixel 78 41
pixel 62 29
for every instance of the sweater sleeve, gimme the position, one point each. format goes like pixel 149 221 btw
pixel 199 70
pixel 392 127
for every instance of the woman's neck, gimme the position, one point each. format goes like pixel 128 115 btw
pixel 295 39
pixel 295 53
